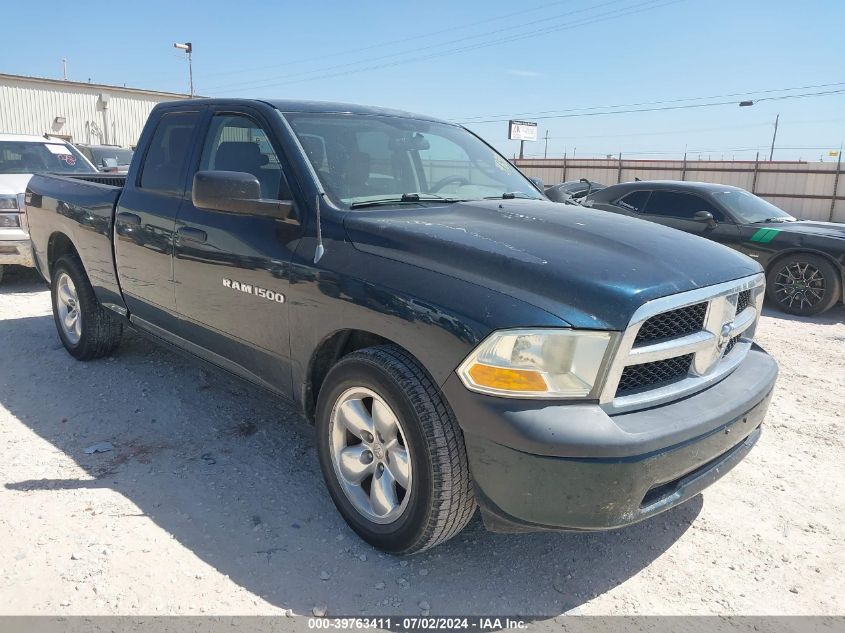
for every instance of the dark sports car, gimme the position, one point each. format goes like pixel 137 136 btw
pixel 573 191
pixel 804 260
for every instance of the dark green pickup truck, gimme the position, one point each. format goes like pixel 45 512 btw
pixel 458 342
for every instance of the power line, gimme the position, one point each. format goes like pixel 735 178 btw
pixel 660 109
pixel 403 40
pixel 541 114
pixel 634 9
pixel 419 49
pixel 744 126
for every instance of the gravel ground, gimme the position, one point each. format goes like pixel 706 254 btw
pixel 211 501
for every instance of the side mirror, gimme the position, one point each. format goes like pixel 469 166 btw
pixel 538 182
pixel 235 192
pixel 706 217
pixel 110 163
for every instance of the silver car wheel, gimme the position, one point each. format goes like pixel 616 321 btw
pixel 67 303
pixel 370 455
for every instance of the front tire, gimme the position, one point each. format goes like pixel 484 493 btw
pixel 803 284
pixel 392 453
pixel 86 329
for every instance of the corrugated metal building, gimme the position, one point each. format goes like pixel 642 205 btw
pixel 76 111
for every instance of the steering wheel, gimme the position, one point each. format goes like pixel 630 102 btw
pixel 446 181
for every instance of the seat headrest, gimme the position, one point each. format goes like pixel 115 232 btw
pixel 239 156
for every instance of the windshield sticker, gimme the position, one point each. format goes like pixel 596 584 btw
pixel 502 164
pixel 70 159
pixel 58 150
pixel 764 236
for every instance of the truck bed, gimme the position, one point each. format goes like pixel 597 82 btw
pixel 78 209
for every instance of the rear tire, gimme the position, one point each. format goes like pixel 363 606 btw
pixel 382 384
pixel 86 329
pixel 803 284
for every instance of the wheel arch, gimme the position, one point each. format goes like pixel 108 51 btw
pixel 58 246
pixel 328 352
pixel 779 257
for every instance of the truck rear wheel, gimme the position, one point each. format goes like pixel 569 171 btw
pixel 391 452
pixel 86 329
pixel 803 284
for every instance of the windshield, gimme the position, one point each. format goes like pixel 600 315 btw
pixel 119 154
pixel 364 160
pixel 28 157
pixel 748 208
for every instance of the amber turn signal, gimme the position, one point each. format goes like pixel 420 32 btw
pixel 507 379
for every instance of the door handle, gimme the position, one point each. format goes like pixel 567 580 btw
pixel 191 234
pixel 129 218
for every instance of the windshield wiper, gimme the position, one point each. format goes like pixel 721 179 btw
pixel 510 195
pixel 405 198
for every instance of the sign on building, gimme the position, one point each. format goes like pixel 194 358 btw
pixel 522 131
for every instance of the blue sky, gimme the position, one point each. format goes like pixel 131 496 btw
pixel 462 60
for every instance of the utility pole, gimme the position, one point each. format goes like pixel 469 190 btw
pixel 546 151
pixel 774 136
pixel 189 49
pixel 64 68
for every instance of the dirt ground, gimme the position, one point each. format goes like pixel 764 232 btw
pixel 211 501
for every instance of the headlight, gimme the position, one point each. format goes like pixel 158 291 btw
pixel 541 363
pixel 10 220
pixel 8 202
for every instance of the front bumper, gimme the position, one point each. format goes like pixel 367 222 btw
pixel 546 465
pixel 15 248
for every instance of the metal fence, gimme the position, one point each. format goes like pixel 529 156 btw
pixel 809 191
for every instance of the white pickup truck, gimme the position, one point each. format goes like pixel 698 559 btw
pixel 20 157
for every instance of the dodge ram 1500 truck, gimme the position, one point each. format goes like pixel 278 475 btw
pixel 455 338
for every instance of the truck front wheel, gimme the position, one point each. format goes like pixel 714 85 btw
pixel 85 328
pixel 391 452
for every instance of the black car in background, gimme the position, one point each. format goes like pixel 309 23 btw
pixel 573 191
pixel 108 158
pixel 804 260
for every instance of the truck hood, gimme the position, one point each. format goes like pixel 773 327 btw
pixel 807 227
pixel 14 183
pixel 590 268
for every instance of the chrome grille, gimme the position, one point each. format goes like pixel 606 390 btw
pixel 674 323
pixel 680 344
pixel 743 300
pixel 648 375
pixel 731 344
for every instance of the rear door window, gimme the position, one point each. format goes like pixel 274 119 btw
pixel 166 159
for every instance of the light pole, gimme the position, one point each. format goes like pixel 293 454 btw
pixel 745 104
pixel 774 136
pixel 189 49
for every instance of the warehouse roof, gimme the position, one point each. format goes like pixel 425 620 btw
pixel 84 84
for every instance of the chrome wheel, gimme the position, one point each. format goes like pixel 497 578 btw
pixel 800 285
pixel 67 303
pixel 370 455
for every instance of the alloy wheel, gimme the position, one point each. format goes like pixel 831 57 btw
pixel 370 455
pixel 67 302
pixel 800 284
